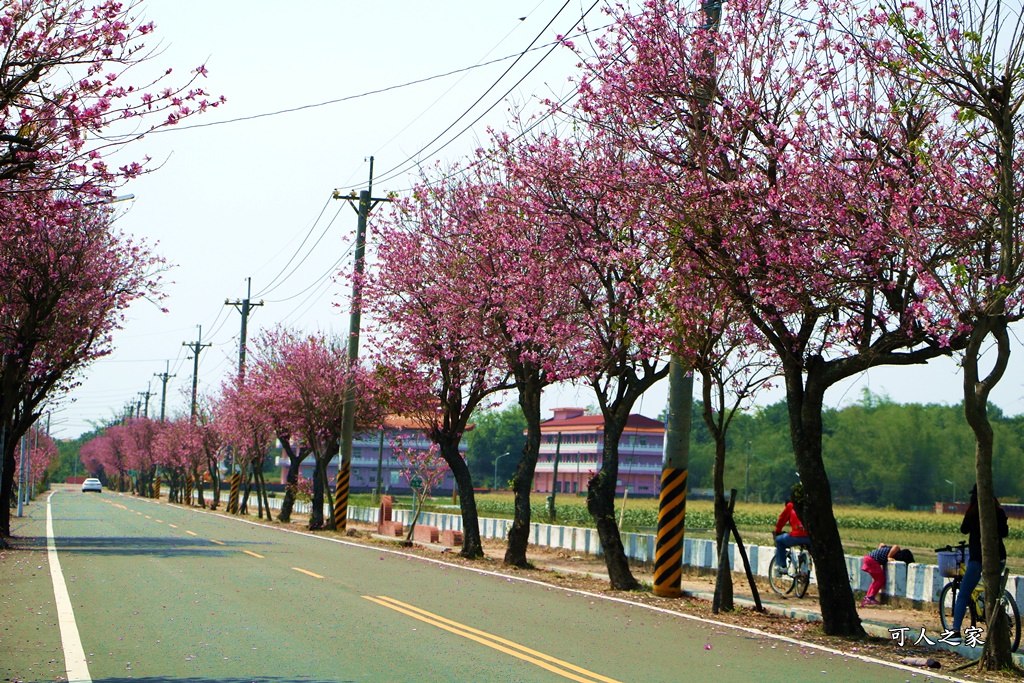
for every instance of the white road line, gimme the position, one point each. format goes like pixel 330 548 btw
pixel 74 655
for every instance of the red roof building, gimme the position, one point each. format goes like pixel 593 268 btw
pixel 579 441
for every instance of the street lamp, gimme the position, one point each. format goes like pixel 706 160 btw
pixel 496 469
pixel 953 483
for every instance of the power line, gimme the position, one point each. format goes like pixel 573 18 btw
pixel 391 173
pixel 297 250
pixel 333 268
pixel 349 98
pixel 298 265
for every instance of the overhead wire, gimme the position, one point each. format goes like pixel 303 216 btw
pixel 312 227
pixel 313 247
pixel 347 98
pixel 460 80
pixel 401 168
pixel 333 268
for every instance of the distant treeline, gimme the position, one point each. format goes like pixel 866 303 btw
pixel 877 452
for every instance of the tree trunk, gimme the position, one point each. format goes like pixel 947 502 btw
pixel 838 609
pixel 6 487
pixel 214 485
pixel 601 505
pixel 199 488
pixel 996 654
pixel 316 512
pixel 295 459
pixel 723 584
pixel 472 548
pixel 530 385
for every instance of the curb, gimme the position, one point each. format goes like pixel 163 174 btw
pixel 873 628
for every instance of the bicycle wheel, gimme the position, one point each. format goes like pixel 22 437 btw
pixel 1012 620
pixel 803 575
pixel 781 583
pixel 947 598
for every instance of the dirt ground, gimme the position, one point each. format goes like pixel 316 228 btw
pixel 573 571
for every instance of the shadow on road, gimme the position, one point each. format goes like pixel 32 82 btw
pixel 160 546
pixel 193 679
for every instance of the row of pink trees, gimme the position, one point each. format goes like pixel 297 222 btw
pixel 803 178
pixel 66 106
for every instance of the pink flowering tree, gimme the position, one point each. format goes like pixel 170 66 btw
pixel 268 375
pixel 517 263
pixel 789 174
pixel 67 101
pixel 312 380
pixel 423 469
pixel 245 425
pixel 970 56
pixel 40 453
pixel 139 436
pixel 178 448
pixel 106 456
pixel 434 361
pixel 65 275
pixel 582 191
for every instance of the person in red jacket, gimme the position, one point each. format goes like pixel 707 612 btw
pixel 796 536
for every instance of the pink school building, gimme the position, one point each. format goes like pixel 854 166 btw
pixel 582 440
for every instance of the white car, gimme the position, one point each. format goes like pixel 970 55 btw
pixel 91 484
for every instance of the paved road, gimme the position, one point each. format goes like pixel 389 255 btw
pixel 161 593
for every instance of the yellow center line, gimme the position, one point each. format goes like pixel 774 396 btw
pixel 148 517
pixel 315 576
pixel 249 552
pixel 173 526
pixel 191 533
pixel 159 521
pixel 217 542
pixel 496 642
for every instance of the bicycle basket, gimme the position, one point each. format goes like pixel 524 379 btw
pixel 948 560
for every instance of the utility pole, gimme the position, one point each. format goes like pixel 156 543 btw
pixel 348 415
pixel 21 478
pixel 668 550
pixel 145 398
pixel 244 307
pixel 164 376
pixel 196 347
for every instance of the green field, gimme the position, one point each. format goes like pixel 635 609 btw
pixel 862 529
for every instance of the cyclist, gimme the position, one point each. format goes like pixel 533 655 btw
pixel 874 563
pixel 797 534
pixel 972 573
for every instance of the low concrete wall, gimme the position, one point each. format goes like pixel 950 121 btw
pixel 918 582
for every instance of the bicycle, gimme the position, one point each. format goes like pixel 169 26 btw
pixel 797 576
pixel 952 563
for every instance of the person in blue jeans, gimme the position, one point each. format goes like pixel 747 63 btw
pixel 796 536
pixel 972 573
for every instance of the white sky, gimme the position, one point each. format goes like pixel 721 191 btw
pixel 234 201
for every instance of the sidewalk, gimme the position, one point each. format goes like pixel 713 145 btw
pixel 888 623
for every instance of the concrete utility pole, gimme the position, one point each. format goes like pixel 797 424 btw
pixel 21 478
pixel 244 307
pixel 145 398
pixel 348 416
pixel 164 376
pixel 668 552
pixel 196 347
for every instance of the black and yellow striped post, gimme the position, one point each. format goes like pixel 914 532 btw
pixel 156 487
pixel 668 551
pixel 188 491
pixel 341 496
pixel 236 481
